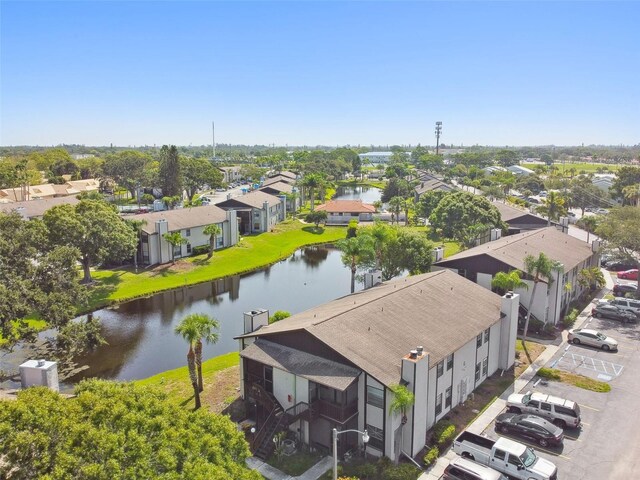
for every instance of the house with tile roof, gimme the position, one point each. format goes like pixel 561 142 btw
pixel 190 223
pixel 341 212
pixel 480 264
pixel 257 211
pixel 335 365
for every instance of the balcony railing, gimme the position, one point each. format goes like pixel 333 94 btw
pixel 340 413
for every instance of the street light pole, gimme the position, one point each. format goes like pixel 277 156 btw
pixel 365 439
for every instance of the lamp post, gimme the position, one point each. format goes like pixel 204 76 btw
pixel 365 439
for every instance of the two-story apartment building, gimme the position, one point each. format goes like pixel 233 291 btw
pixel 480 264
pixel 257 211
pixel 190 222
pixel 335 365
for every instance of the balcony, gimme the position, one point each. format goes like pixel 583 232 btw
pixel 332 411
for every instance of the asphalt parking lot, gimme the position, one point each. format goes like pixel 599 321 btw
pixel 607 446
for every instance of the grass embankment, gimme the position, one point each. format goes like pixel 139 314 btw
pixel 362 183
pixel 250 253
pixel 220 377
pixel 574 379
pixel 586 167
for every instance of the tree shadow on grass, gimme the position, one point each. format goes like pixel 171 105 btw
pixel 99 291
pixel 313 230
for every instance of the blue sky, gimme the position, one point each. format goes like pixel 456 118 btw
pixel 307 73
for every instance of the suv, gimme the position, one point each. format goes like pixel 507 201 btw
pixel 463 469
pixel 621 289
pixel 563 413
pixel 628 304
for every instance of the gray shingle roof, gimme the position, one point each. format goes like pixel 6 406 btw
pixel 182 218
pixel 36 208
pixel 279 186
pixel 278 178
pixel 433 184
pixel 317 369
pixel 375 328
pixel 509 212
pixel 253 199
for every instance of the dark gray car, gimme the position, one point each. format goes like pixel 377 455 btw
pixel 611 311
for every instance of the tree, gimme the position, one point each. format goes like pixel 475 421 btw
pixel 175 239
pixel 251 173
pixel 278 315
pixel 213 231
pixel 591 278
pixel 458 210
pixel 506 158
pixel 539 267
pixel 585 194
pixel 396 187
pixel 206 328
pixel 137 227
pixel 95 229
pixel 35 278
pixel 380 234
pixel 396 204
pixel 116 430
pixel 189 330
pixel 553 207
pixel 356 252
pixel 632 194
pixel 170 172
pixel 429 201
pixel 406 250
pixel 508 282
pixel 468 235
pixel 619 228
pixel 625 177
pixel 402 401
pixel 431 163
pixel 317 217
pixel 311 183
pixel 589 224
pixel 127 169
pixel 198 172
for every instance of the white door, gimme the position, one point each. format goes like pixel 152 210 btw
pixel 463 390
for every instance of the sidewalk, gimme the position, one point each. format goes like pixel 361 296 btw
pixel 484 420
pixel 272 473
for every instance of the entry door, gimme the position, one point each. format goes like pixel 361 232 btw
pixel 463 390
pixel 268 379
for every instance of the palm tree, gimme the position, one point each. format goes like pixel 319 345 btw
pixel 174 240
pixel 553 207
pixel 508 281
pixel 408 205
pixel 632 193
pixel 403 399
pixel 206 327
pixel 137 226
pixel 356 251
pixel 312 181
pixel 213 231
pixel 396 204
pixel 292 198
pixel 588 223
pixel 189 329
pixel 539 267
pixel 379 233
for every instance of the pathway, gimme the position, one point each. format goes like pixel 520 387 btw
pixel 273 473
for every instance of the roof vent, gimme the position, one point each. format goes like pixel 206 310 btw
pixel 413 354
pixel 420 349
pixel 41 363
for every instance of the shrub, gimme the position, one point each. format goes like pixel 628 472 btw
pixel 383 464
pixel 366 471
pixel 352 228
pixel 431 456
pixel 570 318
pixel 548 373
pixel 278 315
pixel 401 472
pixel 199 250
pixel 443 432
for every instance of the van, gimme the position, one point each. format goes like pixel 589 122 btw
pixel 462 469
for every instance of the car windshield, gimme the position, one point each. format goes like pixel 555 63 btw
pixel 601 336
pixel 528 458
pixel 526 398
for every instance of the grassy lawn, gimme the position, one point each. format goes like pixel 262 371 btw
pixel 579 381
pixel 295 464
pixel 220 377
pixel 587 167
pixel 362 183
pixel 526 356
pixel 250 253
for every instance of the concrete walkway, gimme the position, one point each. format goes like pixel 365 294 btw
pixel 272 473
pixel 496 408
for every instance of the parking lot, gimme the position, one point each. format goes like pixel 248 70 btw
pixel 607 445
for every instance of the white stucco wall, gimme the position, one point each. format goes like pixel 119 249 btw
pixel 494 348
pixel 484 279
pixel 283 387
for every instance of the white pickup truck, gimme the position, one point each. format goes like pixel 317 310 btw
pixel 511 458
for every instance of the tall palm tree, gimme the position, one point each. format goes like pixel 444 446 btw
pixel 632 193
pixel 508 281
pixel 137 226
pixel 403 399
pixel 189 329
pixel 311 182
pixel 356 251
pixel 553 207
pixel 408 206
pixel 174 239
pixel 380 233
pixel 207 330
pixel 588 223
pixel 396 204
pixel 539 267
pixel 213 231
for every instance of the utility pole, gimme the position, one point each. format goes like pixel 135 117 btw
pixel 438 132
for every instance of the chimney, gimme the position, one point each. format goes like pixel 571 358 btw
pixel 508 330
pixel 255 319
pixel 419 350
pixel 495 234
pixel 595 246
pixel 413 354
pixel 414 374
pixel 372 278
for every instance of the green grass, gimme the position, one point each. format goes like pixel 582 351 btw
pixel 579 381
pixel 362 183
pixel 251 253
pixel 295 464
pixel 587 167
pixel 33 322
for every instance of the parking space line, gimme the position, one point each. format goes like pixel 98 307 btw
pixel 590 408
pixel 587 424
pixel 604 366
pixel 550 452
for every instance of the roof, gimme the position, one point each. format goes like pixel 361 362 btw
pixel 277 179
pixel 317 369
pixel 182 218
pixel 510 446
pixel 346 206
pixel 87 185
pixel 432 184
pixel 279 187
pixel 512 250
pixel 509 212
pixel 253 199
pixel 545 397
pixel 287 174
pixel 375 328
pixel 37 207
pixel 519 169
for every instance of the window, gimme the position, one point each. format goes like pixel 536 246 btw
pixel 375 397
pixel 188 248
pixel 545 406
pixel 514 460
pixel 499 454
pixel 439 404
pixel 487 333
pixel 376 437
pixel 479 341
pixel 447 397
pixel 440 369
pixel 450 362
pixel 485 366
pixel 477 372
pixel 177 251
pixel 188 233
pixel 534 404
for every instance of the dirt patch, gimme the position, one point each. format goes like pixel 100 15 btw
pixel 181 266
pixel 525 356
pixel 223 391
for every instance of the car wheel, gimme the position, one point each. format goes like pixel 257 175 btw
pixel 543 442
pixel 514 410
pixel 559 423
pixel 606 348
pixel 576 341
pixel 596 314
pixel 467 455
pixel 504 429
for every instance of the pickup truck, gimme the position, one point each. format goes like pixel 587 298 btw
pixel 511 458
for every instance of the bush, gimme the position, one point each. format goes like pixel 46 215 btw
pixel 278 315
pixel 431 456
pixel 383 464
pixel 199 250
pixel 548 373
pixel 443 432
pixel 366 471
pixel 352 228
pixel 401 472
pixel 570 318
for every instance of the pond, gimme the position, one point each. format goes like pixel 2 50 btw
pixel 364 193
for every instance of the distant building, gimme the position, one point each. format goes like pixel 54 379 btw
pixel 377 157
pixel 48 190
pixel 231 174
pixel 519 219
pixel 36 208
pixel 520 170
pixel 604 181
pixel 341 212
pixel 493 169
pixel 282 188
pixel 257 211
pixel 430 183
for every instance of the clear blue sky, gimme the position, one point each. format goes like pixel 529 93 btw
pixel 305 73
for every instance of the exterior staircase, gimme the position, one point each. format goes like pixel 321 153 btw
pixel 263 442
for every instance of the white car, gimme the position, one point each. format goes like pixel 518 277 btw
pixel 593 338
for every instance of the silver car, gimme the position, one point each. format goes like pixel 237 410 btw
pixel 594 338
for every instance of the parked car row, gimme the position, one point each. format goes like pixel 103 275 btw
pixel 622 289
pixel 631 274
pixel 614 312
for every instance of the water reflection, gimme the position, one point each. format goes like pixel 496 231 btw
pixel 366 194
